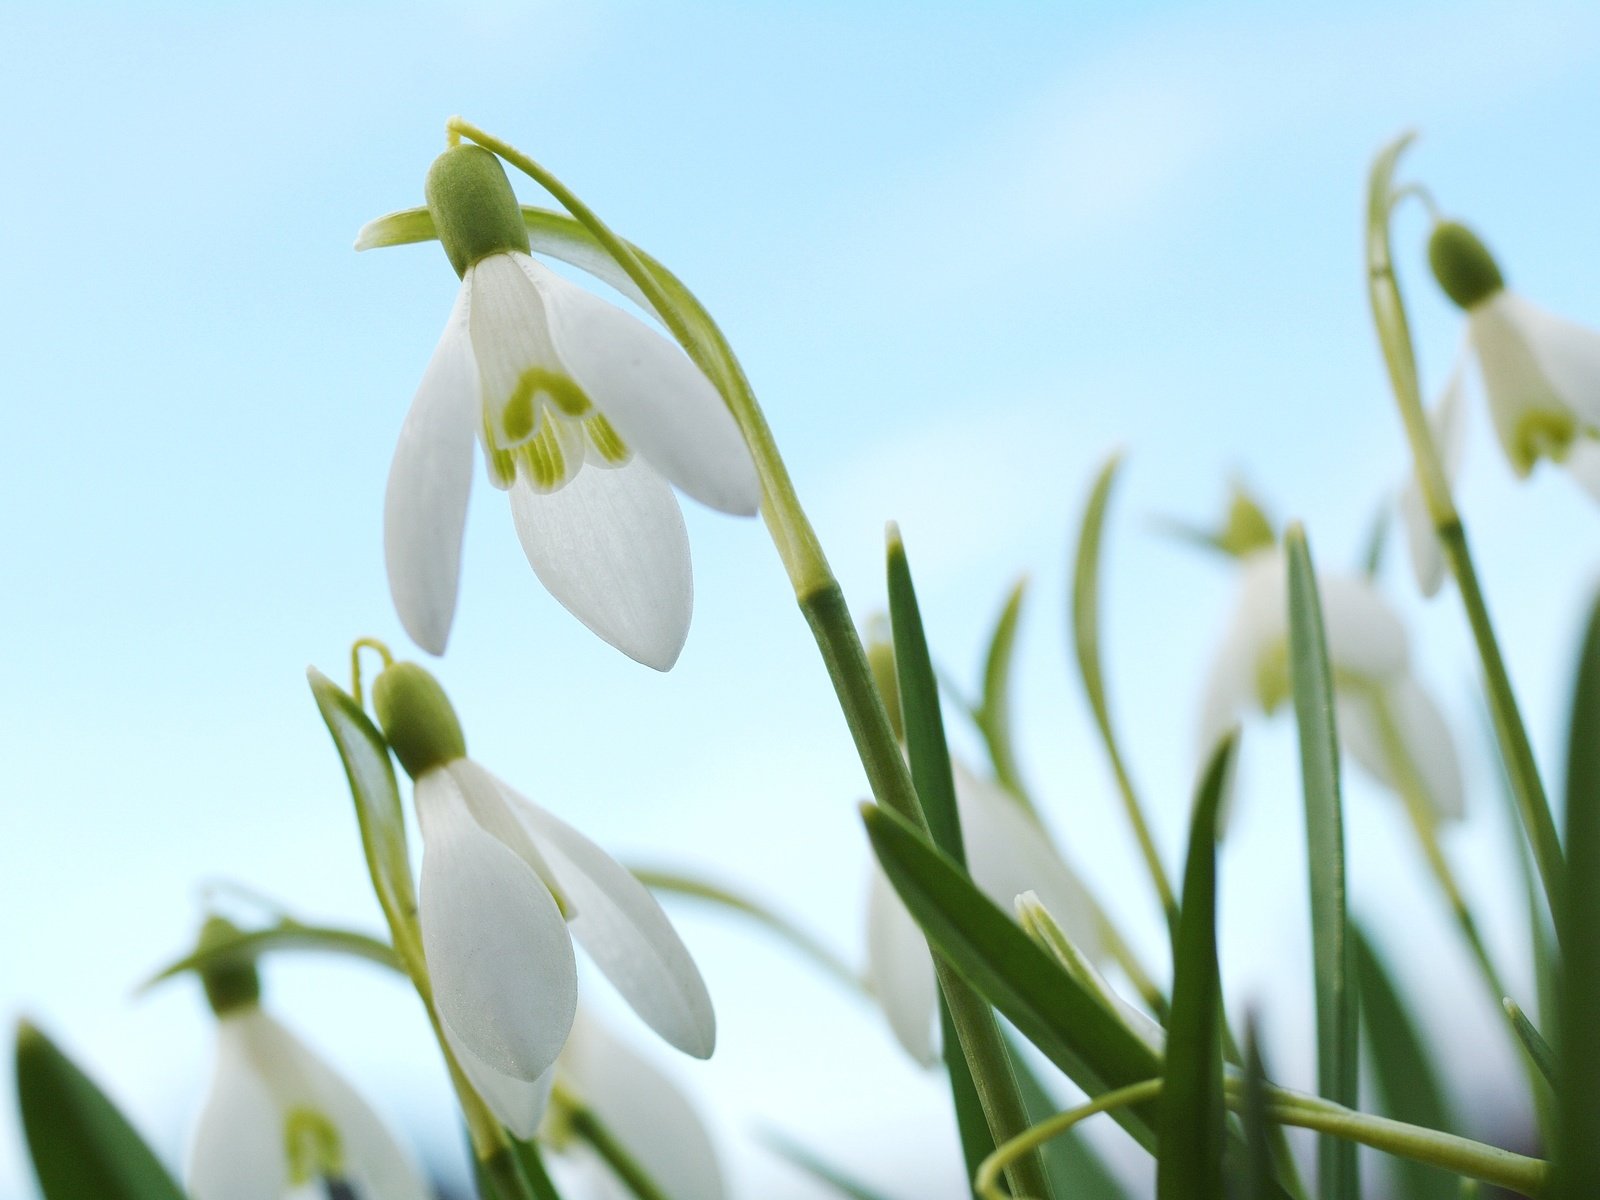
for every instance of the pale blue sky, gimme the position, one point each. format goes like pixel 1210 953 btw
pixel 962 251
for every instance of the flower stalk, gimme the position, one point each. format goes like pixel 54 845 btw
pixel 1394 336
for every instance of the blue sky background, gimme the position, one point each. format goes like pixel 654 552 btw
pixel 962 250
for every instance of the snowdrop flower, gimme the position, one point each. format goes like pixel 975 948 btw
pixel 643 1109
pixel 1008 853
pixel 585 415
pixel 1541 372
pixel 279 1122
pixel 1447 424
pixel 505 888
pixel 1381 710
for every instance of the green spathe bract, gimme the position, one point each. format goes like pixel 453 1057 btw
pixel 417 718
pixel 1463 265
pixel 475 212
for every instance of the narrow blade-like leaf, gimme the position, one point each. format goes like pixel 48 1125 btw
pixel 1577 1163
pixel 1068 1024
pixel 81 1145
pixel 1253 1116
pixel 817 1167
pixel 1312 678
pixel 993 714
pixel 1532 1041
pixel 1192 1116
pixel 1403 1071
pixel 989 1108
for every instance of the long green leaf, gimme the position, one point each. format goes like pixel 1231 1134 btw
pixel 989 1108
pixel 1086 644
pixel 1049 1008
pixel 287 934
pixel 1192 1115
pixel 83 1148
pixel 1338 1052
pixel 993 713
pixel 1533 1041
pixel 692 887
pixel 1253 1116
pixel 1407 1084
pixel 919 706
pixel 365 755
pixel 1577 1162
pixel 818 1167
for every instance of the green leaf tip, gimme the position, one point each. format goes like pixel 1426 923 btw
pixel 81 1145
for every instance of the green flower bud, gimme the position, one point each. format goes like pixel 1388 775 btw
pixel 1463 265
pixel 417 718
pixel 231 980
pixel 475 212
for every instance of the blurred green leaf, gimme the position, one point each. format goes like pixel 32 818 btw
pixel 287 934
pixel 1051 1009
pixel 1086 643
pixel 817 1167
pixel 376 794
pixel 1338 1051
pixel 1403 1072
pixel 1258 1131
pixel 993 714
pixel 1577 1160
pixel 83 1148
pixel 1532 1041
pixel 694 888
pixel 1191 1115
pixel 1377 539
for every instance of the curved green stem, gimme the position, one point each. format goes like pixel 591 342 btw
pixel 1462 1156
pixel 583 1122
pixel 1394 335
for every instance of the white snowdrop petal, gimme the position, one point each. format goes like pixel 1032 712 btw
pixel 1516 386
pixel 1366 639
pixel 899 970
pixel 237 1150
pixel 374 1165
pixel 646 1111
pixel 1568 355
pixel 1583 464
pixel 657 399
pixel 510 337
pixel 1009 853
pixel 1422 543
pixel 498 951
pixel 1420 729
pixel 624 930
pixel 612 548
pixel 425 506
pixel 518 1104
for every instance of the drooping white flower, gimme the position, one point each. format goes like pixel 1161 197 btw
pixel 644 1110
pixel 585 414
pixel 1541 372
pixel 1008 853
pixel 1447 424
pixel 278 1121
pixel 506 886
pixel 1386 721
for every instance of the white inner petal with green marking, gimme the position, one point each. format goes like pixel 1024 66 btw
pixel 538 422
pixel 312 1147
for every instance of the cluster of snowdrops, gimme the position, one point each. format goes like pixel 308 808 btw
pixel 980 936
